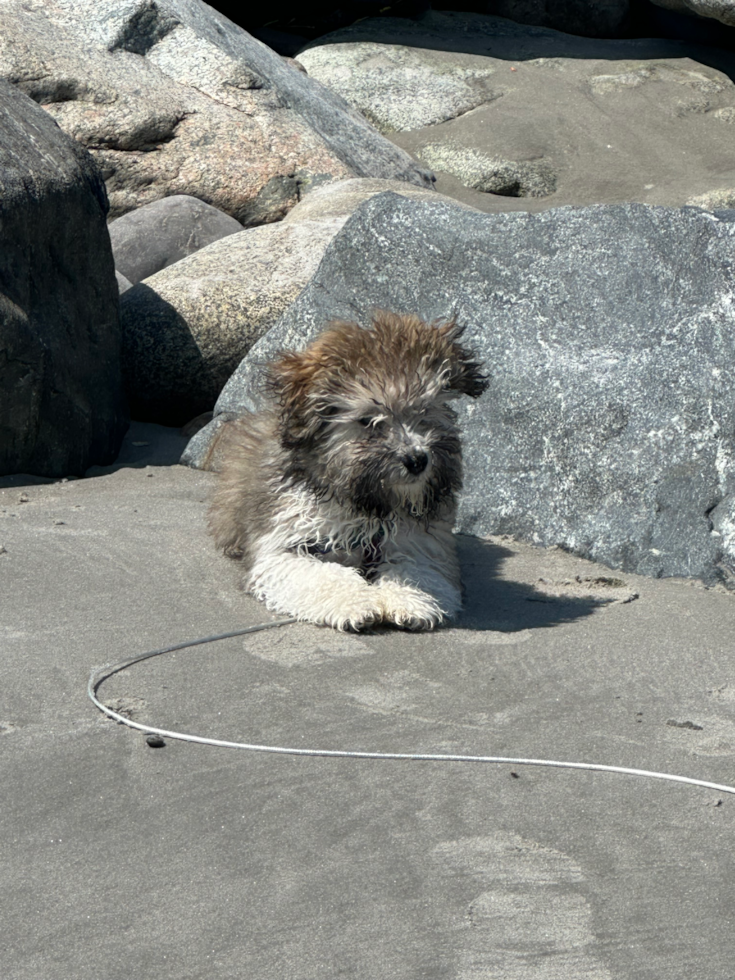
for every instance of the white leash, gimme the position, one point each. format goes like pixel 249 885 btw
pixel 100 674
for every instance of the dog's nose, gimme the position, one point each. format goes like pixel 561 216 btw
pixel 416 462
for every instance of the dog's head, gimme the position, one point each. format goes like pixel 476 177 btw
pixel 366 415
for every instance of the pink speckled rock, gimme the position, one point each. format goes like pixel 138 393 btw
pixel 172 98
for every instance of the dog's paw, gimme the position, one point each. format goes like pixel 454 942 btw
pixel 348 609
pixel 353 618
pixel 407 606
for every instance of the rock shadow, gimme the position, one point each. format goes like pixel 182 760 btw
pixel 146 444
pixel 167 379
pixel 522 42
pixel 493 603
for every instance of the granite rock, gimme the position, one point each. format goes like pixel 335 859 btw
pixel 609 336
pixel 340 199
pixel 171 97
pixel 722 10
pixel 399 88
pixel 514 117
pixel 721 199
pixel 492 175
pixel 61 400
pixel 157 235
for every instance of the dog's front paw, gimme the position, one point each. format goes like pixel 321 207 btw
pixel 353 616
pixel 345 606
pixel 407 606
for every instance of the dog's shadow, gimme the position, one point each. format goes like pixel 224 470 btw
pixel 494 603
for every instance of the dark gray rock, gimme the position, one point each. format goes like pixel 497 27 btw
pixel 609 336
pixel 158 234
pixel 604 18
pixel 61 400
pixel 722 10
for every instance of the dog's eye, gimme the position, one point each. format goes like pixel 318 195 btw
pixel 376 423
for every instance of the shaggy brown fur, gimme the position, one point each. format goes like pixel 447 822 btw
pixel 243 501
pixel 359 446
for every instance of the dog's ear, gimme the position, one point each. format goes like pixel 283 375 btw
pixel 290 380
pixel 287 378
pixel 465 369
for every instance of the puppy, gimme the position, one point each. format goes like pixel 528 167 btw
pixel 339 498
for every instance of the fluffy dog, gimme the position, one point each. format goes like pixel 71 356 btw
pixel 340 497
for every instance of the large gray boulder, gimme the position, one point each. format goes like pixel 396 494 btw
pixel 61 399
pixel 171 97
pixel 519 118
pixel 609 336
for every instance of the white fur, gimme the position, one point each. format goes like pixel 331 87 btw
pixel 416 584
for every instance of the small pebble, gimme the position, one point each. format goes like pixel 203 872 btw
pixel 59 522
pixel 684 724
pixel 23 499
pixel 3 550
pixel 155 741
